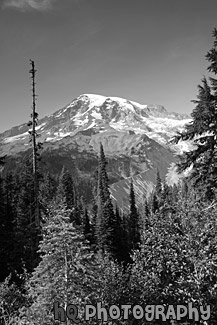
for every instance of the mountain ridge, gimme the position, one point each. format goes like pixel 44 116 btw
pixel 86 111
pixel 135 138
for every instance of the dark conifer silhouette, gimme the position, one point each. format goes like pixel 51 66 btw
pixel 158 187
pixel 154 203
pixel 134 221
pixel 65 190
pixel 2 160
pixel 66 194
pixel 105 221
pixel 203 132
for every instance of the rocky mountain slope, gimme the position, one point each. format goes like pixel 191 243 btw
pixel 135 138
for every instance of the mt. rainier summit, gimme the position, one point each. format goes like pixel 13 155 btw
pixel 100 114
pixel 135 138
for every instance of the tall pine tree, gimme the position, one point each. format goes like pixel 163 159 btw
pixel 27 232
pixel 7 219
pixel 203 132
pixel 134 221
pixel 105 221
pixel 158 187
pixel 65 190
pixel 66 194
pixel 66 271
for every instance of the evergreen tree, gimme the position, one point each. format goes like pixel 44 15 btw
pixel 77 209
pixel 66 194
pixel 177 258
pixel 121 244
pixel 7 218
pixel 203 132
pixel 212 59
pixel 27 233
pixel 147 208
pixel 65 190
pixel 105 223
pixel 67 269
pixel 12 298
pixel 47 189
pixel 86 225
pixel 154 203
pixel 147 213
pixel 166 196
pixel 3 235
pixel 134 221
pixel 158 187
pixel 93 220
pixel 114 286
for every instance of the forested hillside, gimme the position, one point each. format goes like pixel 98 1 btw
pixel 56 248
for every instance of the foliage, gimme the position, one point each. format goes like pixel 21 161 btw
pixel 65 272
pixel 177 261
pixel 203 132
pixel 105 221
pixel 134 222
pixel 11 299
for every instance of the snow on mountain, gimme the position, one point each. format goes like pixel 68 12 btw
pixel 135 138
pixel 101 113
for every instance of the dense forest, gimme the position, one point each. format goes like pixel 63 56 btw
pixel 54 247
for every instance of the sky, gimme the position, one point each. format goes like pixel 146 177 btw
pixel 149 51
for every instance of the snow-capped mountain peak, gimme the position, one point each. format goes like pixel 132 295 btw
pixel 97 114
pixel 134 136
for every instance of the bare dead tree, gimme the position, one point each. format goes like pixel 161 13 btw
pixel 33 135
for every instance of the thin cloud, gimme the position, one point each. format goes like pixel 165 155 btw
pixel 24 5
